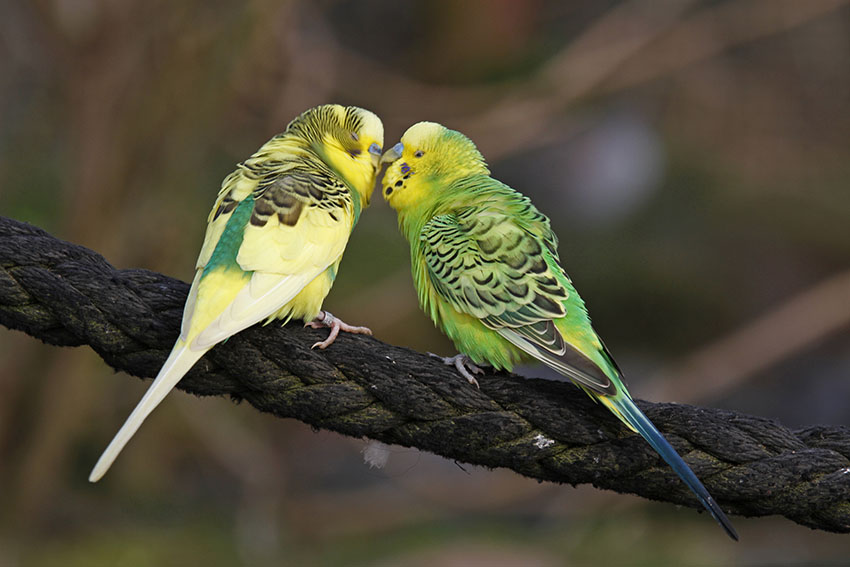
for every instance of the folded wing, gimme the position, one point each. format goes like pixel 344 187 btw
pixel 487 264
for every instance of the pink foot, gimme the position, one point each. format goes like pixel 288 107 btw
pixel 326 319
pixel 464 366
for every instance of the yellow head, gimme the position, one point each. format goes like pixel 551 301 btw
pixel 428 158
pixel 347 138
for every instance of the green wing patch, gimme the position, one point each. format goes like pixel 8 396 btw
pixel 491 268
pixel 486 264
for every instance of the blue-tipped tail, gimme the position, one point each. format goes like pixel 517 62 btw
pixel 632 415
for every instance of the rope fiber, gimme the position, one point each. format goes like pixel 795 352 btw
pixel 67 295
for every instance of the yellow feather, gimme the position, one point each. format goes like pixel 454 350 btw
pixel 296 199
pixel 215 292
pixel 244 309
pixel 312 244
pixel 307 304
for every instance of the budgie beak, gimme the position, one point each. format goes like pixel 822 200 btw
pixel 375 152
pixel 392 154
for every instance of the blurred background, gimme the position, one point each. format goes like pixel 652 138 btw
pixel 694 157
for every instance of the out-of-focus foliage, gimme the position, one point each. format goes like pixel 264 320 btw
pixel 694 158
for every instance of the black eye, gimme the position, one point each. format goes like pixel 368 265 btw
pixel 355 137
pixel 418 153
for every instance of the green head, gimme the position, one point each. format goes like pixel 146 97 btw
pixel 347 138
pixel 428 158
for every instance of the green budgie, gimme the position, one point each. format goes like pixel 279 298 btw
pixel 486 268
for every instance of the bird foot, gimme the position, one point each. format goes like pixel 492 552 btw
pixel 463 364
pixel 326 319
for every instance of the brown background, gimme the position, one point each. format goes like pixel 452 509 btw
pixel 694 158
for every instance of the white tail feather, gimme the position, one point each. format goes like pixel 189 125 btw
pixel 275 290
pixel 246 310
pixel 178 363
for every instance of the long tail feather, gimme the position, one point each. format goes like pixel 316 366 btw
pixel 625 409
pixel 178 363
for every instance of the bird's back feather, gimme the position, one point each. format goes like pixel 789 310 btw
pixel 494 257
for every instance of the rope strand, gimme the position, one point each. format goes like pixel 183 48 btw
pixel 64 294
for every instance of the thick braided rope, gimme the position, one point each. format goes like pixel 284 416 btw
pixel 65 294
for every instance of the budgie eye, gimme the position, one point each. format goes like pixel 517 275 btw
pixel 418 153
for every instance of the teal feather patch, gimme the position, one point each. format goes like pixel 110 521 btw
pixel 355 200
pixel 227 247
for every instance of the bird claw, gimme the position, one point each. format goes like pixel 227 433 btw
pixel 326 320
pixel 464 366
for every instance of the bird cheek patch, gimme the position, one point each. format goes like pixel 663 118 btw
pixel 406 172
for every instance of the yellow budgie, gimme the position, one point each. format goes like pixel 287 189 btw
pixel 274 241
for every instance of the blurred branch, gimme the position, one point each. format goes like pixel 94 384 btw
pixel 714 30
pixel 631 44
pixel 67 295
pixel 776 335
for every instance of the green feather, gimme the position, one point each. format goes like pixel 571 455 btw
pixel 485 265
pixel 227 248
pixel 358 207
pixel 494 259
